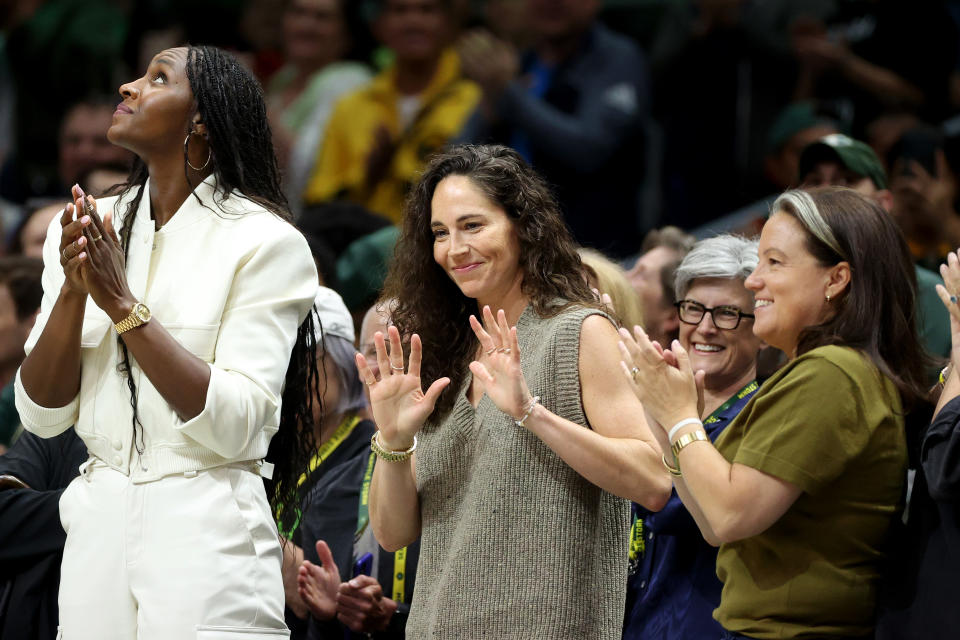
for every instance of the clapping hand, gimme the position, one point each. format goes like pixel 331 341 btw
pixel 499 366
pixel 92 257
pixel 400 406
pixel 662 379
pixel 949 293
pixel 318 584
pixel 362 606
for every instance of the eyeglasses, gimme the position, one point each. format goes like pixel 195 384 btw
pixel 724 317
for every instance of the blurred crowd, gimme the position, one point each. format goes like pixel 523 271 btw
pixel 656 123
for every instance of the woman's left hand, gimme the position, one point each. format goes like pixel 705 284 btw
pixel 499 370
pixel 668 392
pixel 102 265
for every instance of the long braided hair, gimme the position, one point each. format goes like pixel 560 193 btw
pixel 231 103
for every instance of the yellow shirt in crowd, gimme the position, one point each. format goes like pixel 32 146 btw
pixel 340 171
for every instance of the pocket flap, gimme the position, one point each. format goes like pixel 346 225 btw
pixel 205 632
pixel 198 339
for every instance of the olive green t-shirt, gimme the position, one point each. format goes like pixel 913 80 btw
pixel 828 423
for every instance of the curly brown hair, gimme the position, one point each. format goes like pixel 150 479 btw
pixel 427 300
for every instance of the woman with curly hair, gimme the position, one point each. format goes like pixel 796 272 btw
pixel 513 494
pixel 165 336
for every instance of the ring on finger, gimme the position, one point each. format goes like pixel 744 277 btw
pixel 63 253
pixel 504 350
pixel 491 350
pixel 634 372
pixel 396 368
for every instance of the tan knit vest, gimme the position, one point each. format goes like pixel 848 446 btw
pixel 515 543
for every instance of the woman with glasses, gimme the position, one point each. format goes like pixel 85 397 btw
pixel 803 487
pixel 673 587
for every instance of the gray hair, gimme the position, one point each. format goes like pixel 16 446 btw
pixel 723 256
pixel 800 204
pixel 342 352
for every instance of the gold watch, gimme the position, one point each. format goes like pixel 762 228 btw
pixel 139 315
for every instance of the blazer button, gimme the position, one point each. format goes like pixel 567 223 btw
pixel 117 460
pixel 117 444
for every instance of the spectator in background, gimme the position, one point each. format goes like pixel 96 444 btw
pixel 70 48
pixel 574 107
pixel 378 138
pixel 842 161
pixel 317 35
pixel 797 126
pixel 673 587
pixel 652 277
pixel 103 180
pixel 924 193
pixel 334 529
pixel 879 55
pixel 610 280
pixel 83 144
pixel 33 475
pixel 28 236
pixel 20 295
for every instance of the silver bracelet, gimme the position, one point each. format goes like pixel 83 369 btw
pixel 534 401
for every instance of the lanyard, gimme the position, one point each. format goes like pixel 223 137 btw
pixel 363 520
pixel 736 401
pixel 343 431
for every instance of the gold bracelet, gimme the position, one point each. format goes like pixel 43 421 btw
pixel 388 454
pixel 674 471
pixel 686 439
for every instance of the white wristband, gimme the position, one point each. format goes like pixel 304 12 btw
pixel 681 425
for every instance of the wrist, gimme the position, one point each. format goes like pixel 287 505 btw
pixel 72 296
pixel 120 308
pixel 674 418
pixel 682 427
pixel 389 608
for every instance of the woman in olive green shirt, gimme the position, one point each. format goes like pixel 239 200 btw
pixel 801 489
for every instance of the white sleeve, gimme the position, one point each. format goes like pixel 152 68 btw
pixel 271 294
pixel 46 422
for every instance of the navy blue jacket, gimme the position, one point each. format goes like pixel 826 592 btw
pixel 585 136
pixel 674 589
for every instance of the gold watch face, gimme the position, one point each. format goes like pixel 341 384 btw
pixel 142 312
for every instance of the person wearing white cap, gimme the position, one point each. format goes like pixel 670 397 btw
pixel 333 514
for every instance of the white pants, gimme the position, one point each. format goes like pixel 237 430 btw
pixel 178 558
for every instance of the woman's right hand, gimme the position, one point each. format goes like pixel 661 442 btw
pixel 400 406
pixel 949 293
pixel 73 240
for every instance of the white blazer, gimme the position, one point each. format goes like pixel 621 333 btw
pixel 230 282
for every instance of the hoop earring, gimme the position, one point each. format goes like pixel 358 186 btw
pixel 186 153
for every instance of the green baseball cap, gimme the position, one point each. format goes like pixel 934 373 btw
pixel 856 156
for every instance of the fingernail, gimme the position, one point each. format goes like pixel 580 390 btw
pixel 85 219
pixel 81 241
pixel 82 255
